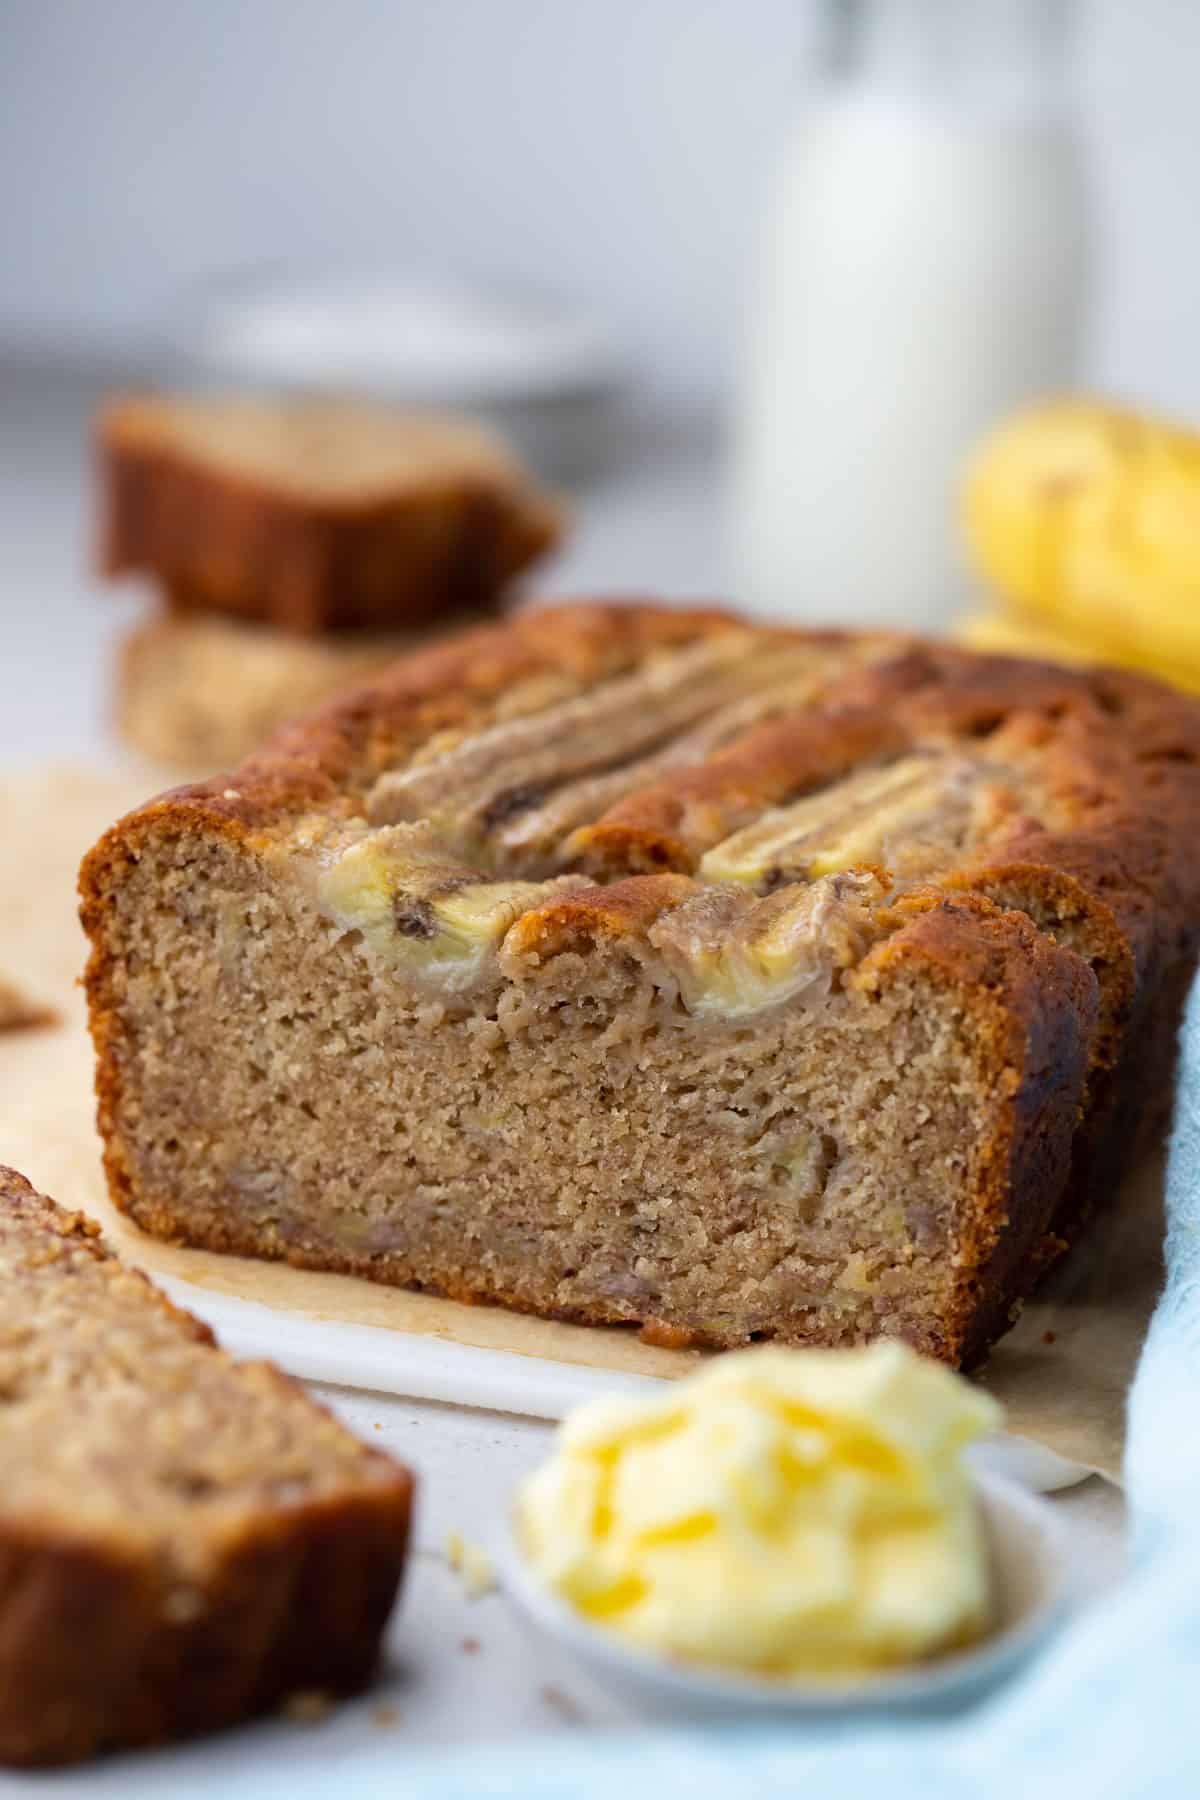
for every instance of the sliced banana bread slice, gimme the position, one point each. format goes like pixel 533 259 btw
pixel 184 1540
pixel 653 967
pixel 203 691
pixel 315 515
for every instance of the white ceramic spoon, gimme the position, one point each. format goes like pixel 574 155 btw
pixel 1029 1557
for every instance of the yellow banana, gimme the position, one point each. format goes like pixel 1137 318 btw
pixel 1086 522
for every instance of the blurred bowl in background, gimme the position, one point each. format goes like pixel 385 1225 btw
pixel 544 375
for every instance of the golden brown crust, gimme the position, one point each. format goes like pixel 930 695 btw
pixel 672 823
pixel 625 909
pixel 332 757
pixel 223 536
pixel 1106 865
pixel 1035 1008
pixel 90 1664
pixel 94 1657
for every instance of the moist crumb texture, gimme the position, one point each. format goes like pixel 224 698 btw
pixel 640 966
pixel 315 515
pixel 184 1540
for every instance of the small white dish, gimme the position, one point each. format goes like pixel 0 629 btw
pixel 542 373
pixel 1029 1557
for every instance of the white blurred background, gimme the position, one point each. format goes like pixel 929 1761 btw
pixel 614 150
pixel 615 154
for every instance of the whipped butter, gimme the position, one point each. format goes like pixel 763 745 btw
pixel 800 1514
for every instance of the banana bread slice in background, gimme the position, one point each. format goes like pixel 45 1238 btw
pixel 642 966
pixel 315 515
pixel 184 1540
pixel 203 691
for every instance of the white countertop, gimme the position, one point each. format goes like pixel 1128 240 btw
pixel 457 1669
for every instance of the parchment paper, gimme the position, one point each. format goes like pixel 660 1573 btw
pixel 1062 1373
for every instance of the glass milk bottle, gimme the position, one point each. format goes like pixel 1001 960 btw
pixel 921 273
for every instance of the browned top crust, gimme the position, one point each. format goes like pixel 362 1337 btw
pixel 1104 764
pixel 615 741
pixel 332 758
pixel 1096 793
pixel 315 515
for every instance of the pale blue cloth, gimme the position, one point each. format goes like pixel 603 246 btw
pixel 1110 1710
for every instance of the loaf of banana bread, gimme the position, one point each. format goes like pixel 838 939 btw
pixel 648 966
pixel 184 1540
pixel 314 515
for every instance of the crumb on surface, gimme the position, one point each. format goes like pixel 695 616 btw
pixel 563 1705
pixel 470 1646
pixel 1049 1337
pixel 20 1012
pixel 471 1562
pixel 385 1714
pixel 308 1706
